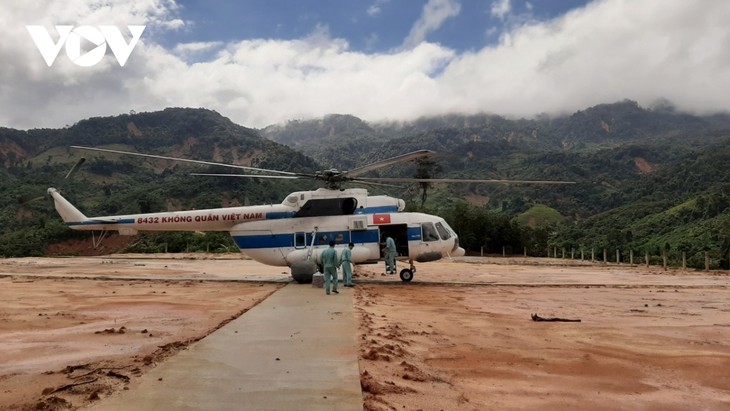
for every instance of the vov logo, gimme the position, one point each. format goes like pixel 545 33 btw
pixel 71 37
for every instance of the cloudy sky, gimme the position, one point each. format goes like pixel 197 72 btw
pixel 261 62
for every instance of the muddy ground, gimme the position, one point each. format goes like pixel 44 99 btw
pixel 459 337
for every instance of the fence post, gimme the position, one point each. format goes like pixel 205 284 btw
pixel 618 259
pixel 684 260
pixel 593 255
pixel 605 256
pixel 631 257
pixel 572 253
pixel 581 254
pixel 664 259
pixel 646 257
pixel 482 252
pixel 707 261
pixel 524 251
pixel 503 252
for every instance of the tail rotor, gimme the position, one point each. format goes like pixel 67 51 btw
pixel 75 168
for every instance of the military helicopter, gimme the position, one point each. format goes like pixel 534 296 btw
pixel 295 232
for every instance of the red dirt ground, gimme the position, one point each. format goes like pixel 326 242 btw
pixel 459 337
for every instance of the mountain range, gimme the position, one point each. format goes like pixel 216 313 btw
pixel 645 178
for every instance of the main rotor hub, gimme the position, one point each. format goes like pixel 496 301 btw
pixel 333 178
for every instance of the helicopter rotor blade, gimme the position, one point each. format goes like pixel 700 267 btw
pixel 463 180
pixel 387 162
pixel 371 183
pixel 23 203
pixel 246 175
pixel 209 163
pixel 332 178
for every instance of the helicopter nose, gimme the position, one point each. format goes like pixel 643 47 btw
pixel 457 251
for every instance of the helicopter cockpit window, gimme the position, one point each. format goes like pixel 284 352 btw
pixel 443 232
pixel 428 232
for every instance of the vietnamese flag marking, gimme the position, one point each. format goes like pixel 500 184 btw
pixel 381 218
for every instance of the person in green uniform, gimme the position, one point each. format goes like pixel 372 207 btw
pixel 346 263
pixel 390 252
pixel 330 264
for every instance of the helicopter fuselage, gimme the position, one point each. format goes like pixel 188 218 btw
pixel 299 228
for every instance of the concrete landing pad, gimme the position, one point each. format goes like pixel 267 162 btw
pixel 296 350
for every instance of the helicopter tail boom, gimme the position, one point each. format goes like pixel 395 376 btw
pixel 66 210
pixel 219 219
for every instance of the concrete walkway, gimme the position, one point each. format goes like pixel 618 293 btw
pixel 297 350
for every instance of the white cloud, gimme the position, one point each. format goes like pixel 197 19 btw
pixel 501 8
pixel 434 14
pixel 607 51
pixel 259 82
pixel 187 49
pixel 377 7
pixel 174 24
pixel 35 95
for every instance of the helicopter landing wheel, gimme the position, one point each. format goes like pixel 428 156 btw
pixel 406 275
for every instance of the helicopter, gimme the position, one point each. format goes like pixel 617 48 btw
pixel 295 232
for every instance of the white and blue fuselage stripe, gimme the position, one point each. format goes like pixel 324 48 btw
pixel 289 239
pixel 100 222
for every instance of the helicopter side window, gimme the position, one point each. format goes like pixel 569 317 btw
pixel 300 240
pixel 319 207
pixel 443 232
pixel 428 232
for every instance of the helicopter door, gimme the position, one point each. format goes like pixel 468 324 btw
pixel 399 233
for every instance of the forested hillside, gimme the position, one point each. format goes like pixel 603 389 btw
pixel 645 179
pixel 112 184
pixel 633 168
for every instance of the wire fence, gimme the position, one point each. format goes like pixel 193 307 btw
pixel 706 260
pixel 668 258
